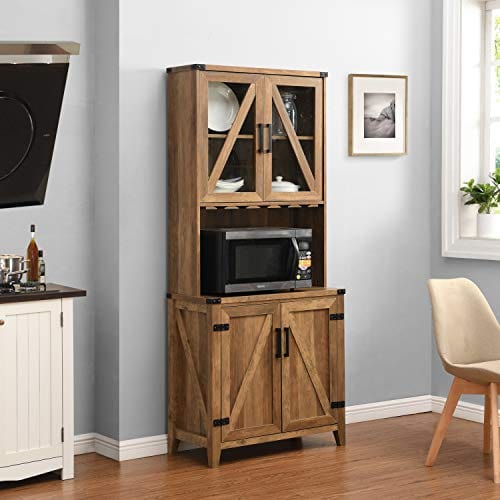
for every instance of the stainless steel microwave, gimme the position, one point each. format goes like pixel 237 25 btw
pixel 236 260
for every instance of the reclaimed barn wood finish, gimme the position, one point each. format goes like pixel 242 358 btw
pixel 192 202
pixel 248 369
pixel 254 371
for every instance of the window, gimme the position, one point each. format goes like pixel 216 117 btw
pixel 491 87
pixel 471 119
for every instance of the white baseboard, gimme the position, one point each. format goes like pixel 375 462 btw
pixel 157 445
pixel 121 450
pixel 388 409
pixel 465 411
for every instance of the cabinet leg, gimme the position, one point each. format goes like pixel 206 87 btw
pixel 213 454
pixel 339 436
pixel 173 443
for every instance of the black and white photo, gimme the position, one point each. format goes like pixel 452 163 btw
pixel 377 115
pixel 380 115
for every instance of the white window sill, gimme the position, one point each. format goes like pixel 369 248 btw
pixel 473 248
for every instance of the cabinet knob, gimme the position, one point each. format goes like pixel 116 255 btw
pixel 2 322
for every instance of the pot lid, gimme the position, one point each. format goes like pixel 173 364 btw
pixel 279 182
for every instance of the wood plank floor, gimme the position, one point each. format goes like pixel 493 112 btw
pixel 384 459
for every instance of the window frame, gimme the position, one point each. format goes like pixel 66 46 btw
pixel 453 245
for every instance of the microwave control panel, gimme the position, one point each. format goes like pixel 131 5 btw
pixel 304 271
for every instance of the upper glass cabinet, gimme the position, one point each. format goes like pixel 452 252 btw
pixel 232 111
pixel 261 137
pixel 295 114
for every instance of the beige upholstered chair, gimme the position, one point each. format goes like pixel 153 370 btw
pixel 468 342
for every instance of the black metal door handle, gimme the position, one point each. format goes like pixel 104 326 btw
pixel 270 137
pixel 287 342
pixel 278 342
pixel 261 138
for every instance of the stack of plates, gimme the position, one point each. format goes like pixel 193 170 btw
pixel 281 186
pixel 229 185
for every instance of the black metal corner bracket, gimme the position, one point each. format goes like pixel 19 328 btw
pixel 336 316
pixel 337 404
pixel 215 300
pixel 323 74
pixel 341 291
pixel 200 67
pixel 169 295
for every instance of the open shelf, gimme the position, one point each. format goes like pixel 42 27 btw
pixel 214 205
pixel 212 135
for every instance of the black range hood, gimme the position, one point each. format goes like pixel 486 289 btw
pixel 32 82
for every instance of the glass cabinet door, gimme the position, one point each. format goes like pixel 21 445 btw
pixel 229 112
pixel 294 120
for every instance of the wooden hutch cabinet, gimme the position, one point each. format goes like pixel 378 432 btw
pixel 246 369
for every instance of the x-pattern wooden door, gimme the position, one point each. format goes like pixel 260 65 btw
pixel 233 153
pixel 308 363
pixel 251 372
pixel 296 151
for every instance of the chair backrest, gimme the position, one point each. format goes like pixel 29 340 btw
pixel 465 327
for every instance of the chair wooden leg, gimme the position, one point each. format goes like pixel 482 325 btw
pixel 487 425
pixel 439 433
pixel 494 428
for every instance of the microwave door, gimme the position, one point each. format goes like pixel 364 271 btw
pixel 261 264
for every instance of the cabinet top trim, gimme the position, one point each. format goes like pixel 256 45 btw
pixel 241 69
pixel 278 296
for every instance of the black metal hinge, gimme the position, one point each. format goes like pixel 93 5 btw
pixel 341 291
pixel 336 316
pixel 62 434
pixel 219 422
pixel 337 404
pixel 213 300
pixel 221 327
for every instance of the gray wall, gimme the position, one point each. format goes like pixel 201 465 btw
pixel 379 216
pixel 105 217
pixel 106 203
pixel 64 223
pixel 485 273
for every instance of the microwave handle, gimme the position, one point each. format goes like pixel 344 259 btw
pixel 297 257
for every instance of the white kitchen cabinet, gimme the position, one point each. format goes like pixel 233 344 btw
pixel 36 388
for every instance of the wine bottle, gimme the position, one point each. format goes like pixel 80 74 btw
pixel 32 258
pixel 41 268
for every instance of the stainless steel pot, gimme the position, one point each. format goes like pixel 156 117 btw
pixel 12 268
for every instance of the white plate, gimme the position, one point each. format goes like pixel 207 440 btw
pixel 223 106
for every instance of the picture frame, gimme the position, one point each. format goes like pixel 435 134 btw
pixel 378 115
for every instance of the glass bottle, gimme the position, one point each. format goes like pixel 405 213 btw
pixel 41 268
pixel 291 109
pixel 32 258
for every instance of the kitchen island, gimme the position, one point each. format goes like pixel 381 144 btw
pixel 36 382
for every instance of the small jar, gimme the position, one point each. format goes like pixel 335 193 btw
pixel 291 109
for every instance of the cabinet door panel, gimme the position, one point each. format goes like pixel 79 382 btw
pixel 237 151
pixel 294 111
pixel 251 373
pixel 30 382
pixel 308 370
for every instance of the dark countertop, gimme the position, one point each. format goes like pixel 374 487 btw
pixel 54 291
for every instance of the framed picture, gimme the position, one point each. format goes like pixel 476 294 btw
pixel 378 115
